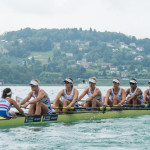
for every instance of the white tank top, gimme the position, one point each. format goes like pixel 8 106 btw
pixel 68 97
pixel 148 95
pixel 140 96
pixel 96 97
pixel 132 93
pixel 149 92
pixel 119 95
pixel 4 105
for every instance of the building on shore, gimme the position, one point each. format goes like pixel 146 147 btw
pixel 1 82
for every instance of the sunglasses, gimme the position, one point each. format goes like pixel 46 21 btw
pixel 132 83
pixel 32 85
pixel 91 83
pixel 115 82
pixel 66 82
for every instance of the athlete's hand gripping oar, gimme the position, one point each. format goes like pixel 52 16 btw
pixel 89 108
pixel 25 105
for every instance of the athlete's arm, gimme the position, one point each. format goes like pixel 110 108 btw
pixel 96 93
pixel 123 93
pixel 14 103
pixel 41 94
pixel 146 94
pixel 58 97
pixel 138 92
pixel 74 98
pixel 83 94
pixel 26 99
pixel 107 97
pixel 127 92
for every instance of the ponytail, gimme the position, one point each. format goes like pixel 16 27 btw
pixel 6 93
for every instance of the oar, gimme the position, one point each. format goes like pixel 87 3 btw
pixel 18 99
pixel 126 108
pixel 21 106
pixel 104 108
pixel 128 105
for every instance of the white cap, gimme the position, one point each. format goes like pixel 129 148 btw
pixel 133 81
pixel 68 80
pixel 116 80
pixel 92 80
pixel 33 82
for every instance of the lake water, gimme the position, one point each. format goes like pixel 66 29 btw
pixel 130 133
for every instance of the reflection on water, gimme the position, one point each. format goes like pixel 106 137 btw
pixel 119 133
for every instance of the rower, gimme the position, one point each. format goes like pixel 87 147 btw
pixel 41 102
pixel 94 95
pixel 147 95
pixel 135 93
pixel 69 97
pixel 6 102
pixel 115 95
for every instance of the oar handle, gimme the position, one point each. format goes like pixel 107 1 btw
pixel 21 106
pixel 64 107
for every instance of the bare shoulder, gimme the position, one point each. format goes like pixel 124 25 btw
pixel 86 90
pixel 138 89
pixel 10 100
pixel 42 91
pixel 98 90
pixel 61 92
pixel 146 91
pixel 30 93
pixel 75 90
pixel 122 90
pixel 109 91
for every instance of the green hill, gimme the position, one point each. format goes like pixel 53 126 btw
pixel 54 54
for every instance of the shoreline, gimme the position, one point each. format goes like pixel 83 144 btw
pixel 100 82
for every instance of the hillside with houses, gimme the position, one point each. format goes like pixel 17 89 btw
pixel 54 54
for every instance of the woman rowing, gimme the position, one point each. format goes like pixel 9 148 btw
pixel 147 94
pixel 135 93
pixel 94 95
pixel 69 97
pixel 6 102
pixel 115 95
pixel 41 102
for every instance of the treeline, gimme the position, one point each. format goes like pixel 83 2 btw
pixel 17 74
pixel 44 39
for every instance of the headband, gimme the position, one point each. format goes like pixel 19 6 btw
pixel 68 80
pixel 92 80
pixel 133 81
pixel 33 82
pixel 9 93
pixel 116 81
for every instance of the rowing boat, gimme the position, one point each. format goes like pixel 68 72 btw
pixel 74 116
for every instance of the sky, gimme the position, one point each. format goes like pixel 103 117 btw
pixel 130 17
